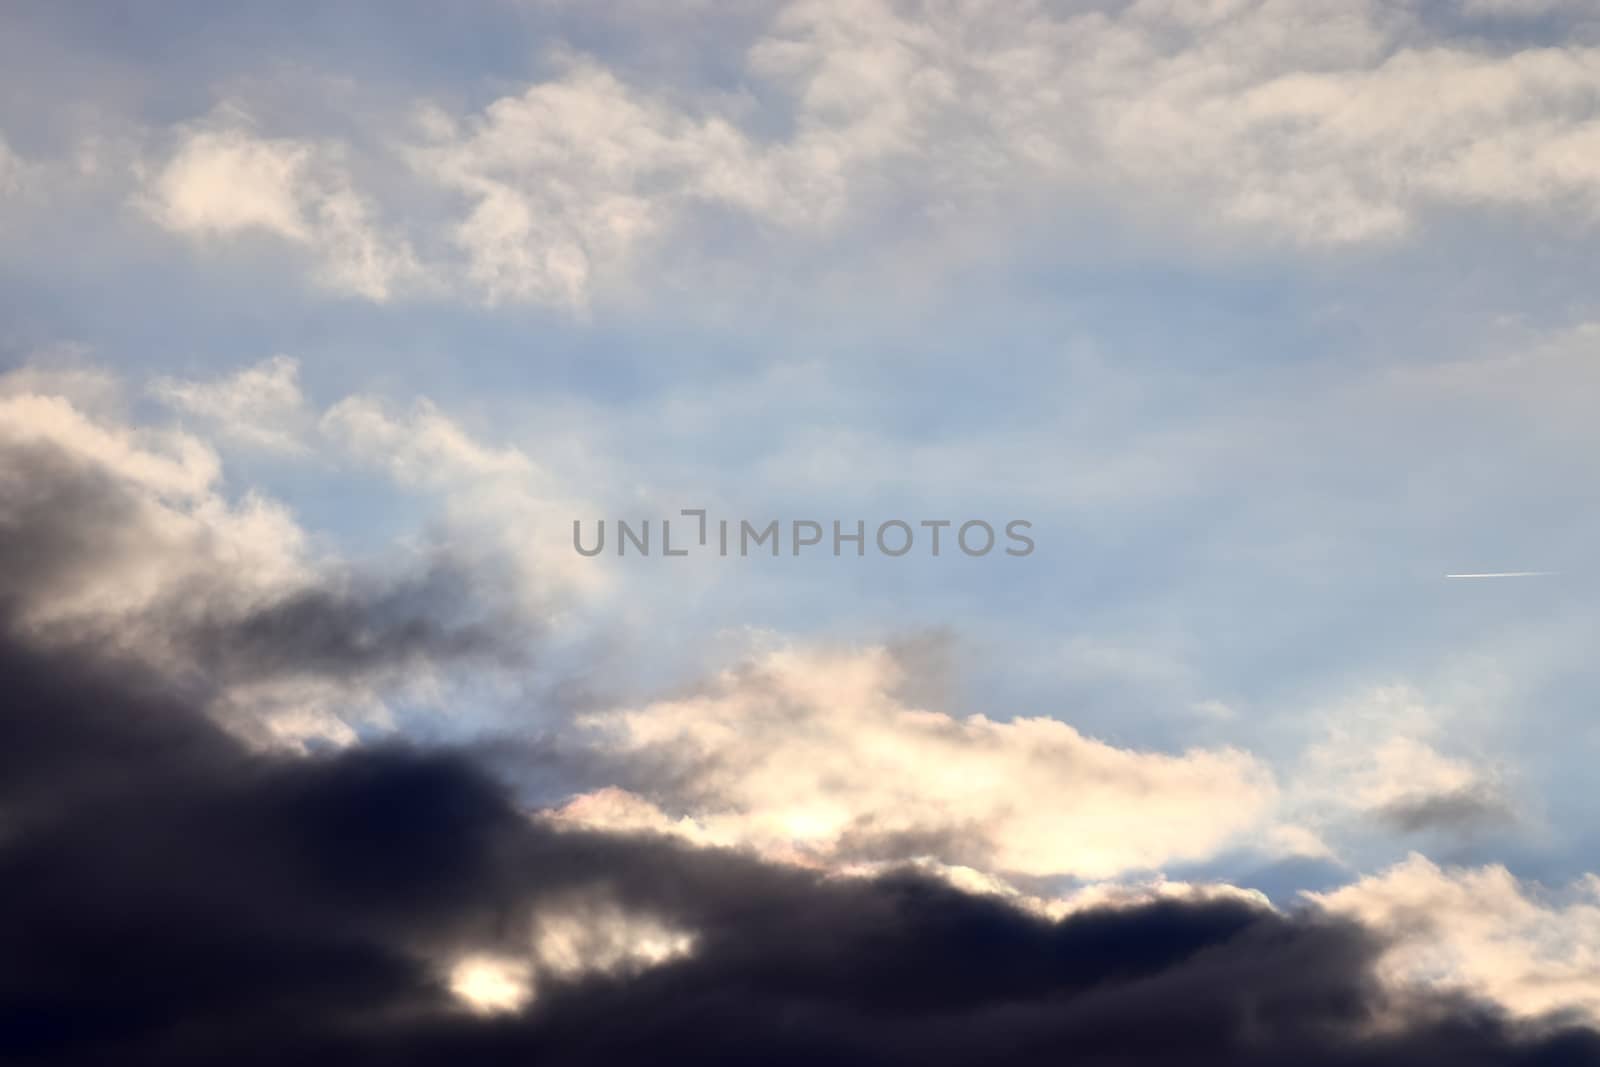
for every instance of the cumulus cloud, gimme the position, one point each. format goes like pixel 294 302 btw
pixel 567 178
pixel 219 182
pixel 224 180
pixel 1483 930
pixel 811 756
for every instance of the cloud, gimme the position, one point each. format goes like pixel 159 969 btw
pixel 569 939
pixel 124 537
pixel 1378 758
pixel 393 904
pixel 1318 125
pixel 259 406
pixel 567 178
pixel 114 521
pixel 503 508
pixel 1309 121
pixel 1482 930
pixel 223 180
pixel 810 755
pixel 490 985
pixel 386 901
pixel 1459 810
pixel 424 447
pixel 836 134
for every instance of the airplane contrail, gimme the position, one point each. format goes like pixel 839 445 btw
pixel 1506 574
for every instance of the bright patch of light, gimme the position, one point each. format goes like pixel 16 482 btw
pixel 491 985
pixel 605 939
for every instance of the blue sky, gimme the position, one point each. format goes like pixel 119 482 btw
pixel 1266 315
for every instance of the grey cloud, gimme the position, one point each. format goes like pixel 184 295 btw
pixel 194 587
pixel 1475 807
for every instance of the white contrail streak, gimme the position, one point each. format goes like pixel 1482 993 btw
pixel 1507 574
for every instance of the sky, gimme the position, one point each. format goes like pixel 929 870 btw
pixel 321 325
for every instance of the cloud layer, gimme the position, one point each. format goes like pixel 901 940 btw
pixel 1316 125
pixel 391 904
pixel 176 892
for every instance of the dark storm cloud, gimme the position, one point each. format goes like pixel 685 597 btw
pixel 170 896
pixel 167 896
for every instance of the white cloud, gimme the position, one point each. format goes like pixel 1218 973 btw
pixel 223 180
pixel 260 405
pixel 492 985
pixel 569 939
pixel 809 756
pixel 878 129
pixel 1323 123
pixel 1483 931
pixel 170 465
pixel 1315 121
pixel 568 177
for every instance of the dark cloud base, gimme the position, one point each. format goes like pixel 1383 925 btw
pixel 61 517
pixel 168 897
